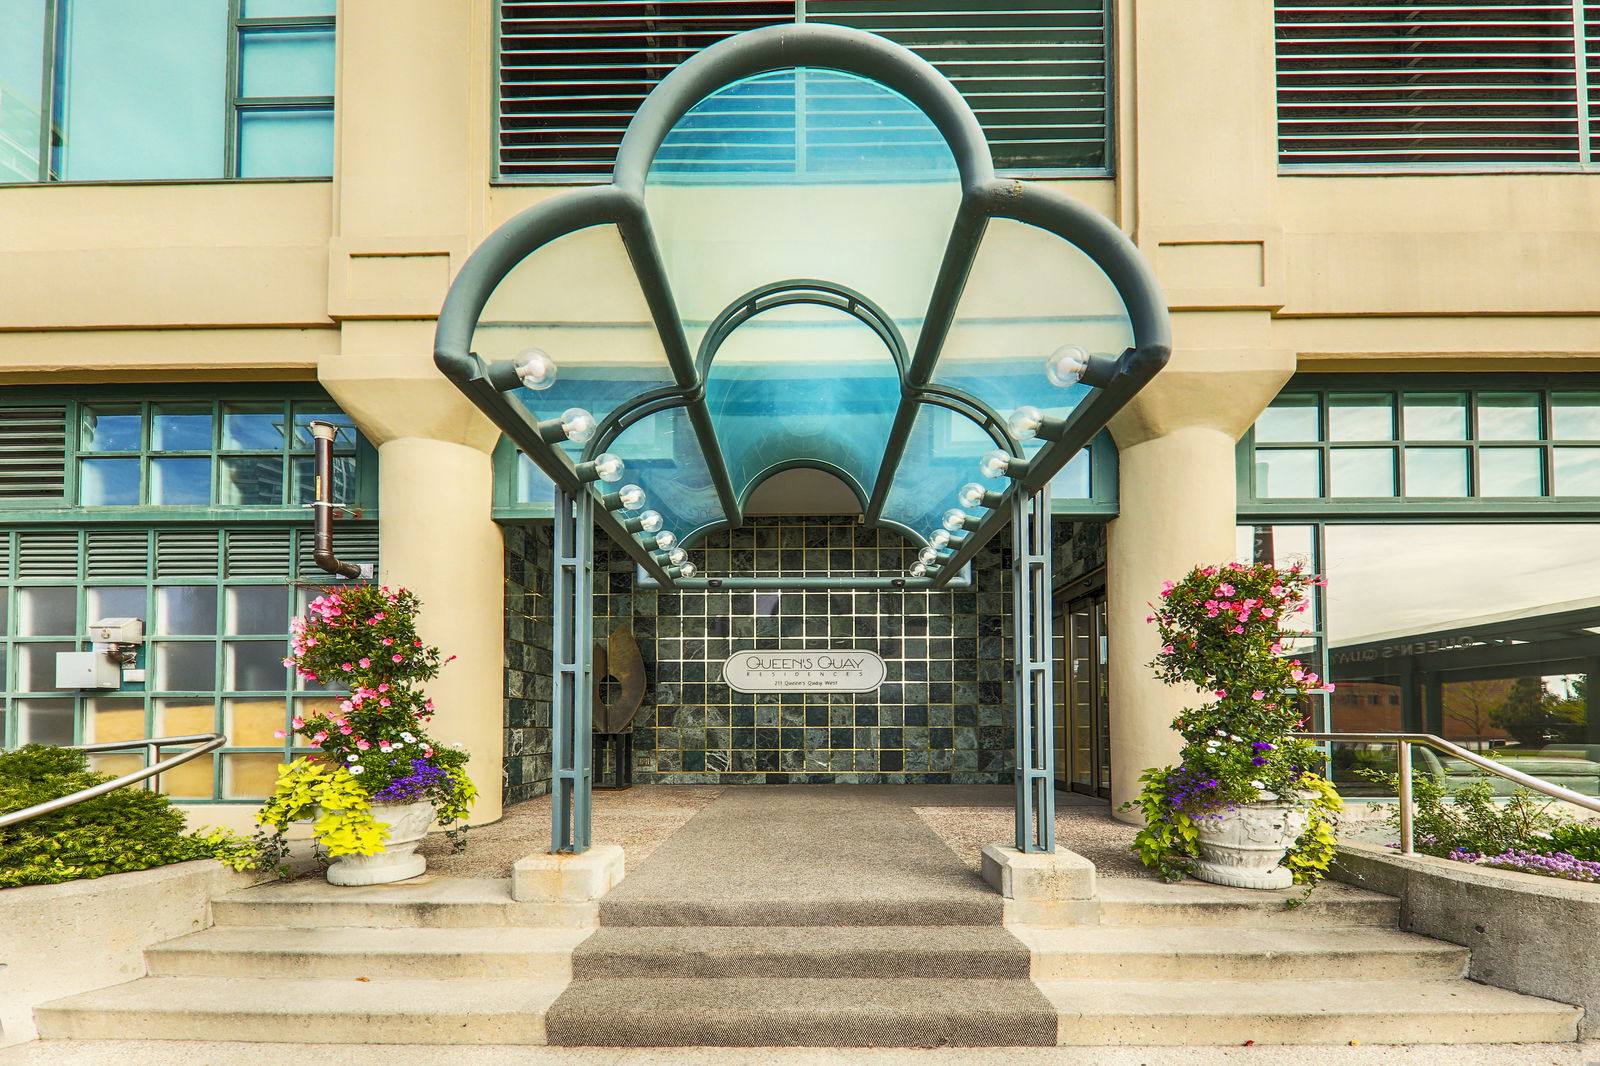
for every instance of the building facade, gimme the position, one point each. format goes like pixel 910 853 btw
pixel 1375 225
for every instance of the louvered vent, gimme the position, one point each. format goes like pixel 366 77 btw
pixel 33 453
pixel 47 553
pixel 351 543
pixel 1591 37
pixel 572 75
pixel 186 553
pixel 5 556
pixel 259 553
pixel 117 553
pixel 1430 82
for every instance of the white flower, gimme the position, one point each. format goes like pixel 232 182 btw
pixel 352 758
pixel 358 769
pixel 1259 784
pixel 1232 737
pixel 396 746
pixel 408 738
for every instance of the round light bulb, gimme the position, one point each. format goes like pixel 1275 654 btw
pixel 918 570
pixel 1066 365
pixel 677 556
pixel 535 369
pixel 994 464
pixel 631 497
pixel 955 519
pixel 971 495
pixel 928 555
pixel 666 540
pixel 577 424
pixel 650 521
pixel 687 570
pixel 940 539
pixel 608 467
pixel 1025 422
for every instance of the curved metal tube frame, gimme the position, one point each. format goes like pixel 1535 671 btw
pixel 207 743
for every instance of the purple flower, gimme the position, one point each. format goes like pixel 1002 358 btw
pixel 1258 761
pixel 411 788
pixel 1261 745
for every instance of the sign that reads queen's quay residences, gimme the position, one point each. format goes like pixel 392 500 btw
pixel 835 670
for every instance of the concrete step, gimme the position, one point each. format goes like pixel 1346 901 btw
pixel 247 951
pixel 800 1012
pixel 422 903
pixel 619 909
pixel 814 951
pixel 1161 1012
pixel 1200 953
pixel 1147 902
pixel 285 1010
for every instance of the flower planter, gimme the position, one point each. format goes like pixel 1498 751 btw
pixel 1243 846
pixel 408 824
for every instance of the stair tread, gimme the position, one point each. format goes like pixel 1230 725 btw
pixel 370 940
pixel 794 995
pixel 1145 890
pixel 1287 998
pixel 815 939
pixel 428 890
pixel 1202 940
pixel 303 996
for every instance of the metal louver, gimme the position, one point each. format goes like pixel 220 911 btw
pixel 33 453
pixel 351 542
pixel 117 553
pixel 572 75
pixel 258 553
pixel 1418 82
pixel 47 553
pixel 187 552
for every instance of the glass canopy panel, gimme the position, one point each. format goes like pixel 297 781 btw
pixel 941 456
pixel 803 173
pixel 1029 293
pixel 576 299
pixel 664 458
pixel 803 385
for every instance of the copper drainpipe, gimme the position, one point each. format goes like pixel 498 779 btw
pixel 322 434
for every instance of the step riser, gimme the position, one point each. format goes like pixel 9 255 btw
pixel 305 915
pixel 923 965
pixel 551 966
pixel 400 1027
pixel 1321 1028
pixel 794 1029
pixel 1268 913
pixel 1305 966
pixel 799 914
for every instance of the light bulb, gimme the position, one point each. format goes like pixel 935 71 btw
pixel 666 540
pixel 955 519
pixel 918 570
pixel 1066 365
pixel 650 521
pixel 940 539
pixel 928 555
pixel 995 464
pixel 535 369
pixel 677 556
pixel 1025 422
pixel 608 467
pixel 687 570
pixel 577 424
pixel 971 495
pixel 631 497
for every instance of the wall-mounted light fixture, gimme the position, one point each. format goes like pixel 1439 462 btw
pixel 604 467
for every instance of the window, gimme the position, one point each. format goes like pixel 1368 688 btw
pixel 572 75
pixel 216 605
pixel 96 90
pixel 1400 83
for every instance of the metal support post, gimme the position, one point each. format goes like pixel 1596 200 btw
pixel 572 689
pixel 1032 622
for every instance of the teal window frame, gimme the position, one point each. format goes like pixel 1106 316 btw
pixel 239 104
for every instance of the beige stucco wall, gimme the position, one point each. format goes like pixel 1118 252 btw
pixel 338 280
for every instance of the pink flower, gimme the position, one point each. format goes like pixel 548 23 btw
pixel 1149 618
pixel 346 730
pixel 1277 649
pixel 319 738
pixel 1238 629
pixel 383 687
pixel 347 666
pixel 1258 695
pixel 1222 693
pixel 297 722
pixel 363 745
pixel 1298 674
pixel 398 658
pixel 365 663
pixel 1167 649
pixel 387 641
pixel 1224 589
pixel 278 733
pixel 385 702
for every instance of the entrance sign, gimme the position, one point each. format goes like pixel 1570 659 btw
pixel 836 670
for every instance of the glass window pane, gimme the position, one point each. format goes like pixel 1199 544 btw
pixel 1291 417
pixel 1508 416
pixel 142 97
pixel 1288 473
pixel 533 484
pixel 180 482
pixel 307 413
pixel 1576 415
pixel 186 610
pixel 181 427
pixel 297 62
pixel 252 481
pixel 258 609
pixel 252 426
pixel 286 143
pixel 114 718
pixel 344 479
pixel 1434 415
pixel 187 666
pixel 273 9
pixel 185 717
pixel 47 611
pixel 116 601
pixel 1577 472
pixel 45 722
pixel 4 614
pixel 1362 472
pixel 108 482
pixel 257 665
pixel 22 75
pixel 250 775
pixel 1072 482
pixel 251 723
pixel 1436 471
pixel 1360 416
pixel 36 666
pixel 1510 472
pixel 109 428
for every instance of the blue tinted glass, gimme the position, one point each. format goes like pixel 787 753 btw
pixel 941 456
pixel 180 482
pixel 533 485
pixel 1073 482
pixel 286 144
pixel 21 85
pixel 110 428
pixel 274 9
pixel 143 89
pixel 108 482
pixel 663 457
pixel 286 62
pixel 181 427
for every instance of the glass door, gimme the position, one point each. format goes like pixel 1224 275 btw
pixel 1083 732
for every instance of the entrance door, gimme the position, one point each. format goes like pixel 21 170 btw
pixel 1083 753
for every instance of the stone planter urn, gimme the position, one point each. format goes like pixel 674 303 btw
pixel 1242 847
pixel 408 824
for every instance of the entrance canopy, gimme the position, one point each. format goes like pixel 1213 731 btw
pixel 804 259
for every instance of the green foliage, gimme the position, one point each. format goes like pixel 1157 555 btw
pixel 1470 819
pixel 1313 853
pixel 1536 717
pixel 345 825
pixel 1580 840
pixel 1168 840
pixel 121 831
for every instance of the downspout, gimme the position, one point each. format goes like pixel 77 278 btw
pixel 322 434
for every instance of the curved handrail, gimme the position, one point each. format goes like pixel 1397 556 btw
pixel 206 744
pixel 1407 806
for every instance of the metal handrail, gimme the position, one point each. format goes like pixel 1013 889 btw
pixel 207 743
pixel 1407 805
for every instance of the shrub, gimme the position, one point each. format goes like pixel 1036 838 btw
pixel 1581 840
pixel 125 830
pixel 1469 820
